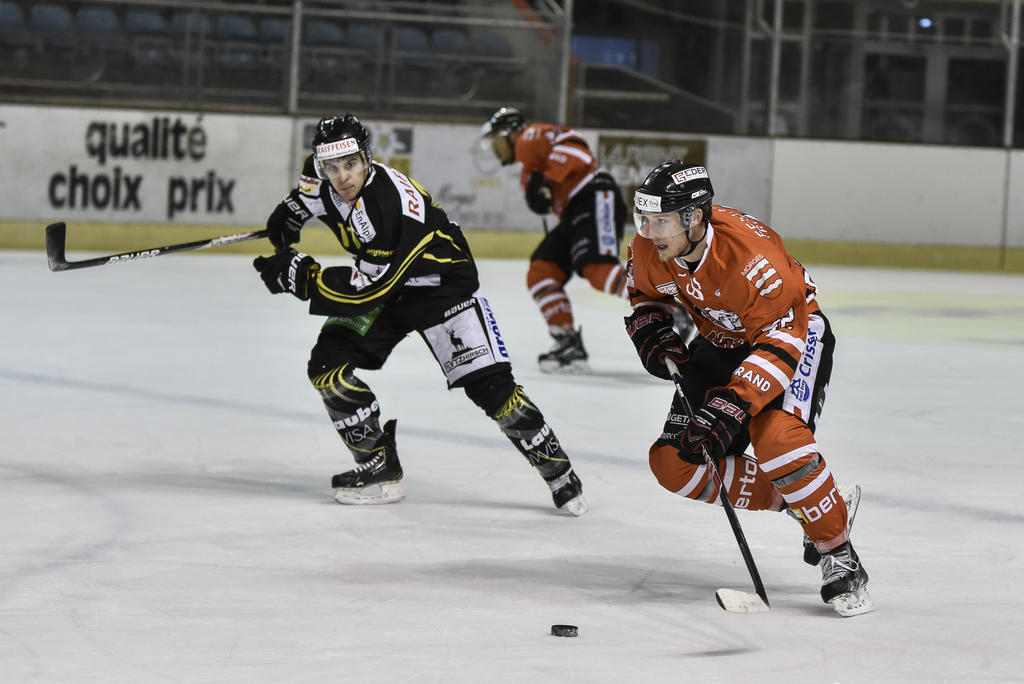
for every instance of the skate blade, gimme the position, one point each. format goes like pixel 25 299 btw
pixel 733 601
pixel 853 603
pixel 383 493
pixel 578 367
pixel 576 506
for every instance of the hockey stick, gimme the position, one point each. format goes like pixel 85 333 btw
pixel 730 600
pixel 56 243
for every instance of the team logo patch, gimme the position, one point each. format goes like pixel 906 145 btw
pixel 760 272
pixel 361 223
pixel 309 186
pixel 461 353
pixel 680 177
pixel 723 319
pixel 669 288
pixel 644 202
pixel 337 149
pixel 800 389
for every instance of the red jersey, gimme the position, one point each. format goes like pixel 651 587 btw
pixel 561 155
pixel 746 290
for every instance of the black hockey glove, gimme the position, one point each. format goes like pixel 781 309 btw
pixel 714 426
pixel 655 340
pixel 287 220
pixel 538 194
pixel 288 271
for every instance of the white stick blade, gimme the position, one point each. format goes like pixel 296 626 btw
pixel 733 601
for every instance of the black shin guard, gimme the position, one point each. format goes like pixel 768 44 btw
pixel 524 425
pixel 353 409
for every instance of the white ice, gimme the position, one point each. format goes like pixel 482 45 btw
pixel 167 516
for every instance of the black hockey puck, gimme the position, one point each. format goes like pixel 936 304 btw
pixel 564 630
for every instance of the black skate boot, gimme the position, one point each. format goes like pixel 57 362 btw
pixel 844 581
pixel 568 354
pixel 567 492
pixel 376 480
pixel 851 495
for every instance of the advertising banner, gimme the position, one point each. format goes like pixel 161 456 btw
pixel 140 166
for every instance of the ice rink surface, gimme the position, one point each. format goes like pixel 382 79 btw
pixel 167 516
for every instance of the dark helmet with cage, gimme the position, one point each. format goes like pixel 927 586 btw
pixel 339 136
pixel 673 187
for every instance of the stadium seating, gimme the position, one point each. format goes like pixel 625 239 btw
pixel 377 54
pixel 97 21
pixel 15 43
pixel 238 48
pixel 53 25
pixel 149 45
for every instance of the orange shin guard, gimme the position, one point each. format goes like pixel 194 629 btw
pixel 788 455
pixel 545 281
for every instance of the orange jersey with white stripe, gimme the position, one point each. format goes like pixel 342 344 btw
pixel 561 155
pixel 746 290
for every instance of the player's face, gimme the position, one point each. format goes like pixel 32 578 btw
pixel 667 232
pixel 502 148
pixel 347 174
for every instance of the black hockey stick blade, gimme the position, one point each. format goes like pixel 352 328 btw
pixel 56 245
pixel 729 599
pixel 56 235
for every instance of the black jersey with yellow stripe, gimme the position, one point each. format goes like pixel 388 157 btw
pixel 402 241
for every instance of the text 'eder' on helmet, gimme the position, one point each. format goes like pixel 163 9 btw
pixel 674 186
pixel 340 136
pixel 503 122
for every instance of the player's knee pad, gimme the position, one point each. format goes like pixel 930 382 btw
pixel 746 486
pixel 339 386
pixel 546 273
pixel 679 476
pixel 491 390
pixel 606 277
pixel 352 407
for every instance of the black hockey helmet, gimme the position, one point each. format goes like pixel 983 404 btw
pixel 503 122
pixel 499 132
pixel 339 136
pixel 673 186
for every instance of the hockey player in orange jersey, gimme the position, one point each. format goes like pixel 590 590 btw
pixel 560 175
pixel 756 373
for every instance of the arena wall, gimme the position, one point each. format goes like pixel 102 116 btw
pixel 126 179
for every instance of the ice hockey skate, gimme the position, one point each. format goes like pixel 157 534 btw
pixel 567 492
pixel 851 495
pixel 567 356
pixel 844 582
pixel 376 480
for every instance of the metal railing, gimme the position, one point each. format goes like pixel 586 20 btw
pixel 943 71
pixel 428 59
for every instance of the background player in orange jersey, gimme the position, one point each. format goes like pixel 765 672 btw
pixel 560 175
pixel 756 372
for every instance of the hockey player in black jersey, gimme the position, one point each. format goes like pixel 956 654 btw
pixel 413 271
